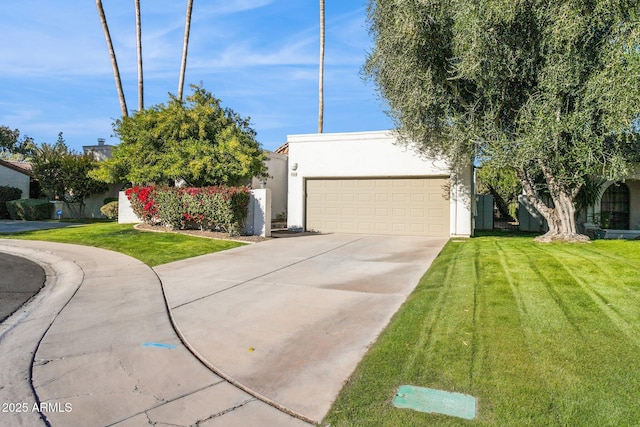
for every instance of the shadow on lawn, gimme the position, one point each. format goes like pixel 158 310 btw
pixel 504 233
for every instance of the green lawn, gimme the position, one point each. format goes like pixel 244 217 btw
pixel 540 334
pixel 151 248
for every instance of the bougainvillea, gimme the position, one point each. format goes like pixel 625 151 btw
pixel 207 208
pixel 142 203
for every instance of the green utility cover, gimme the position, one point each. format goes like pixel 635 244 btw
pixel 435 401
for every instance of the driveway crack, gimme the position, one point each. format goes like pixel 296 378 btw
pixel 268 273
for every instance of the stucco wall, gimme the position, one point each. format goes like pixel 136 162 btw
pixel 368 154
pixel 277 182
pixel 11 178
pixel 91 208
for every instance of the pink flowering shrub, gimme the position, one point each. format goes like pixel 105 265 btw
pixel 207 208
pixel 142 203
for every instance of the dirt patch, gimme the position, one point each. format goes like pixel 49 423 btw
pixel 199 233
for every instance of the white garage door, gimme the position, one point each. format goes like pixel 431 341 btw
pixel 402 206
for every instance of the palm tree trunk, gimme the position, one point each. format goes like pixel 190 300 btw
pixel 112 55
pixel 185 48
pixel 139 46
pixel 321 72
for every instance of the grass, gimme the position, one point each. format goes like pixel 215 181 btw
pixel 540 334
pixel 151 248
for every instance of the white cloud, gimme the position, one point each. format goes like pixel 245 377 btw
pixel 228 7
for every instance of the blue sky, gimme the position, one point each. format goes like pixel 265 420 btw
pixel 259 56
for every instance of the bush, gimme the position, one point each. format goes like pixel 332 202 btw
pixel 142 203
pixel 210 208
pixel 109 200
pixel 110 210
pixel 30 209
pixel 168 207
pixel 7 194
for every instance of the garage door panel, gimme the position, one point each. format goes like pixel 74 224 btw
pixel 415 206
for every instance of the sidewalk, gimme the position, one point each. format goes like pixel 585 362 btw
pixel 104 352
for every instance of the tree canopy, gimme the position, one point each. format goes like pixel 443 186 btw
pixel 550 89
pixel 64 174
pixel 14 147
pixel 196 140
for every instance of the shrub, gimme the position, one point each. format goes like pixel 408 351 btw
pixel 168 207
pixel 216 208
pixel 7 194
pixel 211 208
pixel 110 210
pixel 109 200
pixel 30 209
pixel 142 203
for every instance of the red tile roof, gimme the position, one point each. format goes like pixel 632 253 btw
pixel 283 149
pixel 22 167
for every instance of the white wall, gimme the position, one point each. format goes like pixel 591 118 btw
pixel 11 178
pixel 368 154
pixel 277 182
pixel 258 221
pixel 125 212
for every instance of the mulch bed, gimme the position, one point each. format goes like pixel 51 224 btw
pixel 199 233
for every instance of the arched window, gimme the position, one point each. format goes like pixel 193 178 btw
pixel 614 207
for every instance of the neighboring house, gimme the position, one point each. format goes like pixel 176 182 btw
pixel 618 210
pixel 364 182
pixel 18 175
pixel 276 182
pixel 616 213
pixel 100 152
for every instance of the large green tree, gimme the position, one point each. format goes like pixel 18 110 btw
pixel 548 88
pixel 12 146
pixel 64 174
pixel 196 140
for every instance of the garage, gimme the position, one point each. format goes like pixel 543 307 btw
pixel 372 183
pixel 398 205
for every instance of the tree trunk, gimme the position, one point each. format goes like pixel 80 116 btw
pixel 503 208
pixel 112 55
pixel 321 72
pixel 561 217
pixel 139 51
pixel 185 48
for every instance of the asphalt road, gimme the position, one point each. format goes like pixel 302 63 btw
pixel 20 279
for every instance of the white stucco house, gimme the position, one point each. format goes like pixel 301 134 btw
pixel 17 175
pixel 363 182
pixel 618 210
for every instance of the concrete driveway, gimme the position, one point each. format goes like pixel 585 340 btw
pixel 289 319
pixel 284 322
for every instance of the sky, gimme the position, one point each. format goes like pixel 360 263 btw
pixel 260 57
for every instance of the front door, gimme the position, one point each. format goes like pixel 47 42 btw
pixel 614 208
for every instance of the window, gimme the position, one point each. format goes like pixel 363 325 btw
pixel 614 207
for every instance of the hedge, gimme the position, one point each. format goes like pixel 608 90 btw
pixel 30 209
pixel 207 208
pixel 7 194
pixel 110 209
